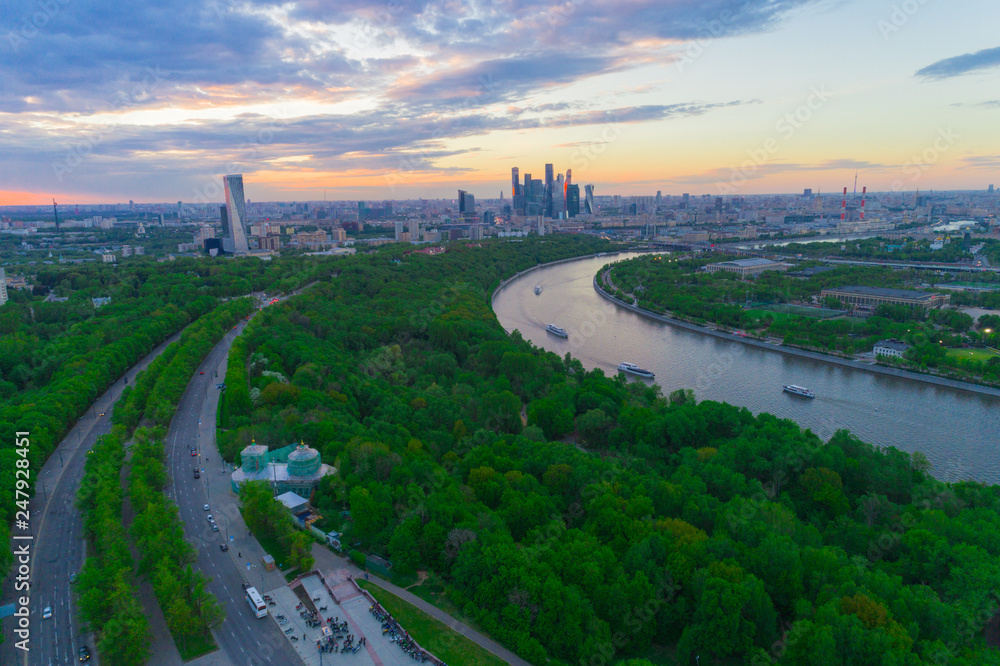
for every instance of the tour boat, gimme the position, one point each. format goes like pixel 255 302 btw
pixel 799 390
pixel 555 330
pixel 632 368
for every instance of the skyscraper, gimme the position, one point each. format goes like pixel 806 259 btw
pixel 588 202
pixel 236 211
pixel 466 203
pixel 3 286
pixel 572 200
pixel 515 181
pixel 549 184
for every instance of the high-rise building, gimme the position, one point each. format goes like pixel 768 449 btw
pixel 515 181
pixel 3 286
pixel 549 184
pixel 399 229
pixel 588 202
pixel 991 189
pixel 572 200
pixel 559 197
pixel 236 210
pixel 466 203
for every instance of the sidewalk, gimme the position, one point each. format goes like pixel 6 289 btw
pixel 329 563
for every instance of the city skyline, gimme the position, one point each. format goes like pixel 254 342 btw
pixel 399 101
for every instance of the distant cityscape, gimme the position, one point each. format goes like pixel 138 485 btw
pixel 535 206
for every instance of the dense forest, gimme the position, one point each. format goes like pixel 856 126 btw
pixel 584 519
pixel 663 284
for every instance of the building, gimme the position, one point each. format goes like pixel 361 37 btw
pixel 870 297
pixel 893 348
pixel 466 205
pixel 588 202
pixel 109 258
pixel 476 232
pixel 339 235
pixel 236 212
pixel 572 200
pixel 296 469
pixel 3 286
pixel 747 267
pixel 550 183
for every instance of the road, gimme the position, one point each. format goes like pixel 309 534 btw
pixel 59 548
pixel 244 638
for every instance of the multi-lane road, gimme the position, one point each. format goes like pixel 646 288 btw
pixel 243 637
pixel 59 549
pixel 58 546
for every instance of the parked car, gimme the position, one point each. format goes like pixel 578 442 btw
pixel 215 528
pixel 204 508
pixel 72 577
pixel 210 518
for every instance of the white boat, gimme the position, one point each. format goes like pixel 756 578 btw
pixel 555 330
pixel 798 390
pixel 538 289
pixel 632 368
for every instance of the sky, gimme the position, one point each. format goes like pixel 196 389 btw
pixel 106 101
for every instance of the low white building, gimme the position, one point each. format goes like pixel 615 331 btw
pixel 893 348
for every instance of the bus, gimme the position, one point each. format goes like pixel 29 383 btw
pixel 256 602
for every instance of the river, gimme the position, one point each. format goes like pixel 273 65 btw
pixel 958 431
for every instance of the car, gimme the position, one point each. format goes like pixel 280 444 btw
pixel 223 547
pixel 202 372
pixel 197 474
pixel 245 586
pixel 211 518
pixel 84 653
pixel 215 528
pixel 103 413
pixel 194 452
pixel 47 613
pixel 73 577
pixel 204 508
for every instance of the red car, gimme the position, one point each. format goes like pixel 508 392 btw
pixel 202 372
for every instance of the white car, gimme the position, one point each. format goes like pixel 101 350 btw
pixel 47 613
pixel 210 518
pixel 204 508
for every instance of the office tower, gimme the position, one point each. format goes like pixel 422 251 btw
pixel 131 206
pixel 535 199
pixel 687 197
pixel 588 202
pixel 991 189
pixel 559 197
pixel 659 197
pixel 224 218
pixel 515 181
pixel 572 200
pixel 549 184
pixel 236 211
pixel 807 192
pixel 466 203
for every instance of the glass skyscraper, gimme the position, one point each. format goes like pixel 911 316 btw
pixel 236 211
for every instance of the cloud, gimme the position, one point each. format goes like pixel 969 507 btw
pixel 425 72
pixel 963 64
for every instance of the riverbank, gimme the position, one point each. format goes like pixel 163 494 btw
pixel 794 351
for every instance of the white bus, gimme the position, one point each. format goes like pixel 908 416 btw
pixel 256 602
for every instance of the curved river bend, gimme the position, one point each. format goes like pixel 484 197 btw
pixel 957 430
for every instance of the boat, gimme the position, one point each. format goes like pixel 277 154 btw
pixel 799 390
pixel 555 330
pixel 633 369
pixel 538 289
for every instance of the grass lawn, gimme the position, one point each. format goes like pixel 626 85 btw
pixel 974 354
pixel 193 647
pixel 432 635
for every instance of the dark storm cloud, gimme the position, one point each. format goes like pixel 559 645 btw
pixel 963 64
